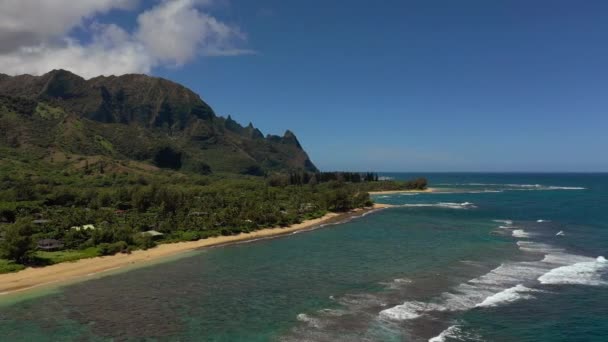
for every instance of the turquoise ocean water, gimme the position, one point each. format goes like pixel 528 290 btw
pixel 490 257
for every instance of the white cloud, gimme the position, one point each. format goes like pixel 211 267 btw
pixel 111 51
pixel 171 33
pixel 175 30
pixel 30 22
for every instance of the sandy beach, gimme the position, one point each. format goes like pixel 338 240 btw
pixel 389 192
pixel 35 277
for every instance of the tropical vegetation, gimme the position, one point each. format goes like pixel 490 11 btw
pixel 113 164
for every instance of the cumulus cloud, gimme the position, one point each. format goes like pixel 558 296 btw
pixel 175 30
pixel 29 22
pixel 171 33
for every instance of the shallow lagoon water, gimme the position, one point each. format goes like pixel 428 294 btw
pixel 463 264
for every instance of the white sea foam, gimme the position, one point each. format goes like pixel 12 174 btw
pixel 544 187
pixel 402 281
pixel 510 295
pixel 506 222
pixel 525 185
pixel 482 184
pixel 313 322
pixel 521 186
pixel 581 273
pixel 520 233
pixel 471 293
pixel 563 259
pixel 566 188
pixel 504 284
pixel 397 283
pixel 451 332
pixel 541 221
pixel 535 247
pixel 455 332
pixel 405 311
pixel 549 187
pixel 449 205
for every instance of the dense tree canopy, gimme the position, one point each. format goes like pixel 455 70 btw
pixel 39 200
pixel 17 243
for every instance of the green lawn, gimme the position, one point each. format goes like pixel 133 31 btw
pixel 7 266
pixel 63 256
pixel 50 258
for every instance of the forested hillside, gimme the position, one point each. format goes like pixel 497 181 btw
pixel 136 117
pixel 112 164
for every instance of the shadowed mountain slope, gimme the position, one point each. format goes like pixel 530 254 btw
pixel 138 117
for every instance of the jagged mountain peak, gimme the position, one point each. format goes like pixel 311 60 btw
pixel 135 115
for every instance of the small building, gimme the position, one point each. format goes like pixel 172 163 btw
pixel 306 207
pixel 83 227
pixel 153 233
pixel 49 244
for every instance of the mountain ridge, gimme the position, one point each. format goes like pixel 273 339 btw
pixel 137 116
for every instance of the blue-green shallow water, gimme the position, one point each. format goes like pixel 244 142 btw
pixel 438 265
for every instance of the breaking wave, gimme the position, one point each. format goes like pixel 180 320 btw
pixel 396 283
pixel 455 332
pixel 506 227
pixel 450 205
pixel 313 322
pixel 510 295
pixel 581 273
pixel 505 284
pixel 451 332
pixel 520 233
pixel 519 186
pixel 506 222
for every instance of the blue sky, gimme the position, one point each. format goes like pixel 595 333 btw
pixel 409 85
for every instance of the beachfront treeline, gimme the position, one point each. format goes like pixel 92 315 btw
pixel 313 178
pixel 49 215
pixel 302 177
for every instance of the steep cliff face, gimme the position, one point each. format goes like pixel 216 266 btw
pixel 144 100
pixel 137 117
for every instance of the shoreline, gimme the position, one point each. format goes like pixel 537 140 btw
pixel 54 275
pixel 391 192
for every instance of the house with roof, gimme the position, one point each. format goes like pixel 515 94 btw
pixel 153 233
pixel 83 227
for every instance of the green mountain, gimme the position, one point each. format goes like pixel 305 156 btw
pixel 136 118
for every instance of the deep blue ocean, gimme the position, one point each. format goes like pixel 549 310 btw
pixel 487 257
